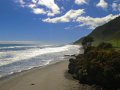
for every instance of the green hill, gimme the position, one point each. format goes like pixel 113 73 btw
pixel 109 32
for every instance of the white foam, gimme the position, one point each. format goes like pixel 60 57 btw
pixel 14 47
pixel 11 47
pixel 47 62
pixel 11 72
pixel 14 56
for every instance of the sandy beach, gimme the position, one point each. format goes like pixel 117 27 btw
pixel 51 77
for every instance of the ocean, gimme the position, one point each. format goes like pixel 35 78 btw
pixel 19 57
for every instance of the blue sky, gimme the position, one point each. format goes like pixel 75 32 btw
pixel 61 21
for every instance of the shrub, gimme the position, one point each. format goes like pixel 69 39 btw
pixel 98 66
pixel 104 45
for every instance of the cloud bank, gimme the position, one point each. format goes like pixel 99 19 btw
pixel 69 16
pixel 54 14
pixel 50 7
pixel 94 22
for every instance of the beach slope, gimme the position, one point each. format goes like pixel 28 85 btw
pixel 51 77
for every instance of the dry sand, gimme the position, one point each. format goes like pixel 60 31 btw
pixel 51 77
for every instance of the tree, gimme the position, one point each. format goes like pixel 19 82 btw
pixel 87 41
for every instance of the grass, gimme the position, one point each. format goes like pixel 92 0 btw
pixel 115 43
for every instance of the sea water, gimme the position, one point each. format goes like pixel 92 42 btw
pixel 19 57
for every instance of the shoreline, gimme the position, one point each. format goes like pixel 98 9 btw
pixel 49 77
pixel 27 70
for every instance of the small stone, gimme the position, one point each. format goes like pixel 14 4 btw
pixel 32 84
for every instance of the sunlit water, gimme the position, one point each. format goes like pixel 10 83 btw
pixel 18 57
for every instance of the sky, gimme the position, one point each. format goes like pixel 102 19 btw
pixel 60 21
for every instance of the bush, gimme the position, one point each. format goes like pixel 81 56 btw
pixel 98 66
pixel 104 45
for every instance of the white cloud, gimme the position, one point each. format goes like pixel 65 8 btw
pixel 80 2
pixel 21 2
pixel 31 6
pixel 94 22
pixel 34 1
pixel 116 6
pixel 38 11
pixel 69 16
pixel 76 16
pixel 71 27
pixel 102 4
pixel 50 4
pixel 52 7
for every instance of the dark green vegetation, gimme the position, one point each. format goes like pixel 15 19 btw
pixel 97 66
pixel 109 32
pixel 87 41
pixel 100 63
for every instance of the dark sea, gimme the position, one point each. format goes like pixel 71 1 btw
pixel 19 57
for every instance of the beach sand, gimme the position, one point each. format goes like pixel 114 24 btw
pixel 51 77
